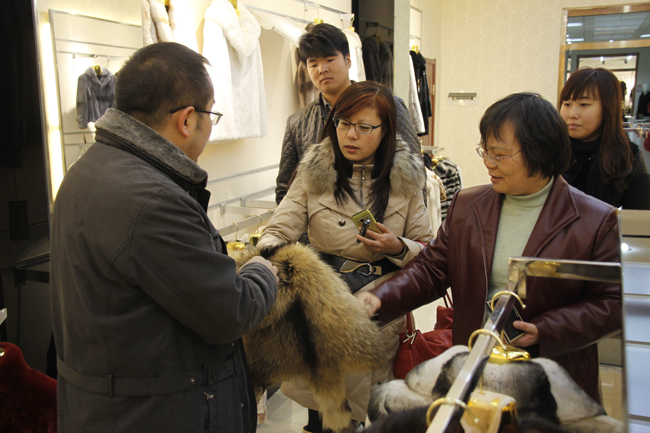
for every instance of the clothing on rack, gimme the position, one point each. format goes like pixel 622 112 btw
pixel 357 70
pixel 231 44
pixel 95 94
pixel 371 62
pixel 450 174
pixel 435 195
pixel 415 110
pixel 642 105
pixel 420 67
pixel 386 64
pixel 172 24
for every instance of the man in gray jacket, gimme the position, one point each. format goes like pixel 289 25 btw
pixel 148 309
pixel 326 54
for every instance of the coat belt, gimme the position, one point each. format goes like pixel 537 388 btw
pixel 147 386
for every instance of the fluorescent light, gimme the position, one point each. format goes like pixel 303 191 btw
pixel 645 36
pixel 574 25
pixel 576 40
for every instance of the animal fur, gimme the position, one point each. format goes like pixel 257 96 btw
pixel 542 389
pixel 316 331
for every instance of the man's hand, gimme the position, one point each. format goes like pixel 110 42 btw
pixel 384 243
pixel 369 300
pixel 530 338
pixel 263 261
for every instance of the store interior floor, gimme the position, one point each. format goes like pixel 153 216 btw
pixel 286 416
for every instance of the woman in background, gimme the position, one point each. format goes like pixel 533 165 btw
pixel 605 164
pixel 358 164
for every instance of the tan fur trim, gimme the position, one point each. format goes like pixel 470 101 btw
pixel 343 338
pixel 317 166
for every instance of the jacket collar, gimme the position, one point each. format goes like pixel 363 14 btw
pixel 559 211
pixel 317 166
pixel 118 129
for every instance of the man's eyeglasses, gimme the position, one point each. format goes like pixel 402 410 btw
pixel 493 158
pixel 215 116
pixel 361 128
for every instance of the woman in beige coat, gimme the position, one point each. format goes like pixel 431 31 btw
pixel 359 164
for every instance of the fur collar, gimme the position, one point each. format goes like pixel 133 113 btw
pixel 317 167
pixel 142 140
pixel 242 32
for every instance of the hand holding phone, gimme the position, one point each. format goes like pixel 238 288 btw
pixel 365 218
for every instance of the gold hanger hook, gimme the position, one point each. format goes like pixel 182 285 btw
pixel 506 293
pixel 485 332
pixel 452 402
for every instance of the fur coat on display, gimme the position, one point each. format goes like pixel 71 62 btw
pixel 27 396
pixel 357 71
pixel 159 25
pixel 544 392
pixel 316 335
pixel 231 44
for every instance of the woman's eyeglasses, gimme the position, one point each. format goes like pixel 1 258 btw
pixel 215 116
pixel 493 158
pixel 361 128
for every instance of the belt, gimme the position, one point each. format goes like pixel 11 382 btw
pixel 146 386
pixel 357 274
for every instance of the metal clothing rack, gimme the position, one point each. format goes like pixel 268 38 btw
pixel 451 408
pixel 248 222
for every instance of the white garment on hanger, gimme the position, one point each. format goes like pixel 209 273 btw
pixel 180 24
pixel 357 71
pixel 285 27
pixel 231 44
pixel 415 109
pixel 161 20
pixel 434 187
pixel 148 27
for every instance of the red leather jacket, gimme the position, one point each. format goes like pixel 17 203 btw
pixel 570 315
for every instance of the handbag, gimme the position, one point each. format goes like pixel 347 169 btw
pixel 417 347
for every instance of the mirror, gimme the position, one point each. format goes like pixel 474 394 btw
pixel 86 63
pixel 616 38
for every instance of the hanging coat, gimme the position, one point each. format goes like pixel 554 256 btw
pixel 231 44
pixel 95 95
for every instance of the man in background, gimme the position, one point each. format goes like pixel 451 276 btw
pixel 148 309
pixel 326 54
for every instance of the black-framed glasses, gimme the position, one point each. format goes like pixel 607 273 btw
pixel 493 158
pixel 215 116
pixel 361 128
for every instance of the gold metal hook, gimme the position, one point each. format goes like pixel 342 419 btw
pixel 507 293
pixel 485 332
pixel 452 402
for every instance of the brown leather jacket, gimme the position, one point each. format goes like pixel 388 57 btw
pixel 570 315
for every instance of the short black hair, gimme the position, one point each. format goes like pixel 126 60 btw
pixel 161 77
pixel 538 127
pixel 323 40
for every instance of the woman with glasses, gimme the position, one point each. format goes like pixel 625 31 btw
pixel 605 164
pixel 527 210
pixel 358 164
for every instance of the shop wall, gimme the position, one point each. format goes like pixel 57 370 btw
pixel 495 47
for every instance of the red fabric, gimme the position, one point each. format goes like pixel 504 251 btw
pixel 27 396
pixel 646 143
pixel 418 347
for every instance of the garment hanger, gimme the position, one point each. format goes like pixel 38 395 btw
pixel 236 245
pixel 254 238
pixel 234 4
pixel 351 23
pixel 98 70
pixel 415 48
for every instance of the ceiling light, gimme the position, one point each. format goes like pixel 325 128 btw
pixel 574 25
pixel 611 40
pixel 576 40
pixel 645 36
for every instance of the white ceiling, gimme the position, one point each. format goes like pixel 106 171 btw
pixel 604 28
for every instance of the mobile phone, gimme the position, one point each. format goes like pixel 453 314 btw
pixel 510 333
pixel 365 217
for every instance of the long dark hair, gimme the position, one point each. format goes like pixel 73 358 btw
pixel 615 155
pixel 366 94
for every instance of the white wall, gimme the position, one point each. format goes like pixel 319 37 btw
pixel 496 47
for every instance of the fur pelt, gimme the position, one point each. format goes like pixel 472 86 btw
pixel 542 389
pixel 406 177
pixel 316 331
pixel 27 396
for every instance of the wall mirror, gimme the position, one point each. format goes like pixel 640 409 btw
pixel 86 62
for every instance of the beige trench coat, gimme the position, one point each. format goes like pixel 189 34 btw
pixel 310 206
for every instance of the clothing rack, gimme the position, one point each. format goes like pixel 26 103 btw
pixel 75 55
pixel 300 20
pixel 376 24
pixel 248 222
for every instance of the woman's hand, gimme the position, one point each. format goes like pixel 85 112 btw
pixel 385 243
pixel 530 338
pixel 371 301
